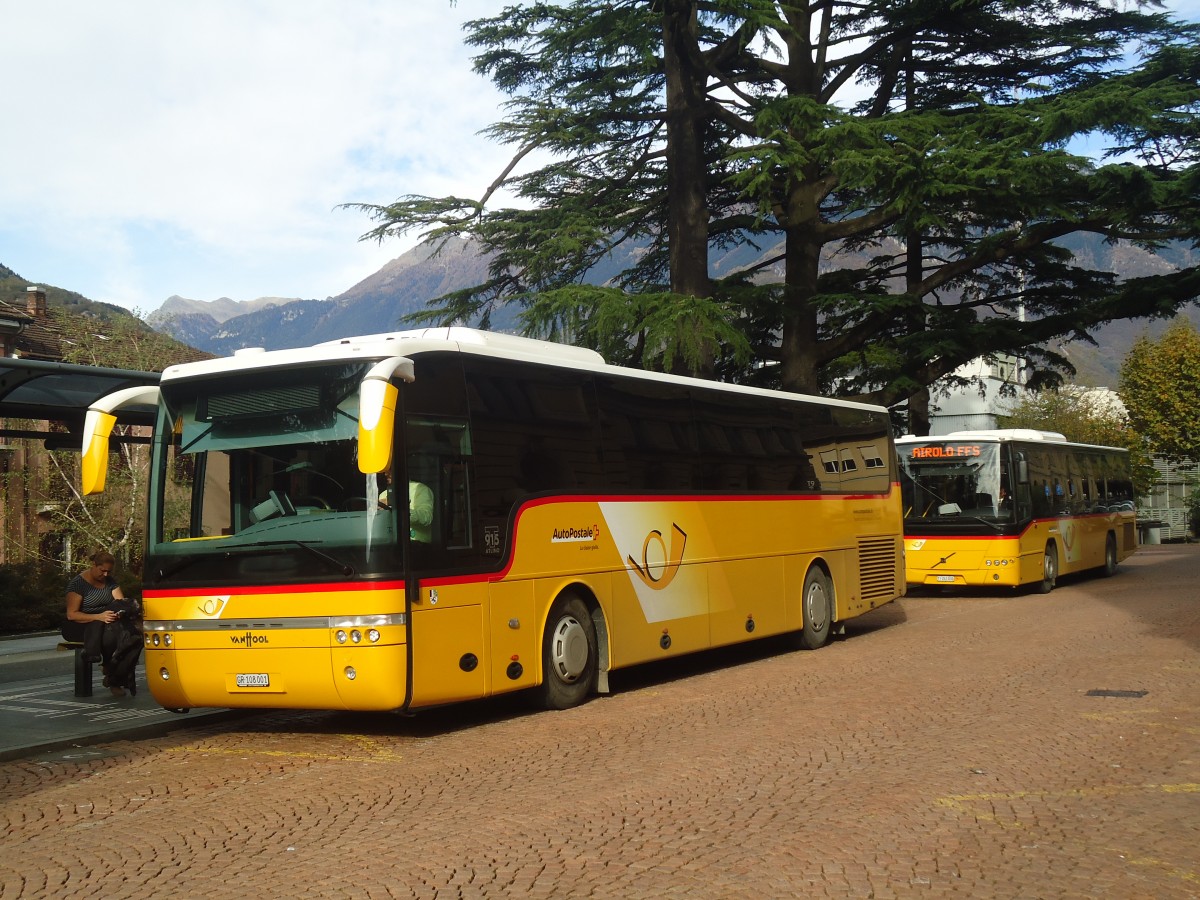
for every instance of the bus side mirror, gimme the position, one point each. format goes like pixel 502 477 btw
pixel 377 398
pixel 97 427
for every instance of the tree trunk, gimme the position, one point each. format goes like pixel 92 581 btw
pixel 687 207
pixel 800 361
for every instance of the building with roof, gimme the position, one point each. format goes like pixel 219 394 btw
pixel 26 331
pixel 42 404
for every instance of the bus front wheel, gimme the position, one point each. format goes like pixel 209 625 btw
pixel 569 655
pixel 818 610
pixel 1049 570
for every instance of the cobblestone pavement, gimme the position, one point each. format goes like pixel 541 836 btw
pixel 948 746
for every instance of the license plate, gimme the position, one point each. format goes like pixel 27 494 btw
pixel 253 679
pixel 949 578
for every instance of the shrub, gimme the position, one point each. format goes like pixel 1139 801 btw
pixel 32 598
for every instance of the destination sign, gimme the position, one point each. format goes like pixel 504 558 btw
pixel 946 451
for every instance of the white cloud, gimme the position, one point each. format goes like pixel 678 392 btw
pixel 167 146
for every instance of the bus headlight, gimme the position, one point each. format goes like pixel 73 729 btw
pixel 350 673
pixel 341 636
pixel 373 635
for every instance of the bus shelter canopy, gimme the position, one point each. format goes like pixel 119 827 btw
pixel 60 393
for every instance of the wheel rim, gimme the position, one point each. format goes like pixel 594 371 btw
pixel 1049 568
pixel 569 649
pixel 816 607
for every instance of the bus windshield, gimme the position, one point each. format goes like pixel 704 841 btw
pixel 952 482
pixel 259 477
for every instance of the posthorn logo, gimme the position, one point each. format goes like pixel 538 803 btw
pixel 659 566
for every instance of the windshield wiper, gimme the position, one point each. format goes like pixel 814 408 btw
pixel 162 574
pixel 346 568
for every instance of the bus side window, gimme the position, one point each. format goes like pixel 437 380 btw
pixel 456 506
pixel 439 458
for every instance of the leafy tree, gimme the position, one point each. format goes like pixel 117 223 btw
pixel 114 520
pixel 1086 416
pixel 1160 386
pixel 924 144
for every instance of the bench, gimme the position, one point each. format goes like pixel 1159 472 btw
pixel 83 668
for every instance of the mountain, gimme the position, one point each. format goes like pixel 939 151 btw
pixel 73 328
pixel 377 303
pixel 220 310
pixel 406 284
pixel 197 322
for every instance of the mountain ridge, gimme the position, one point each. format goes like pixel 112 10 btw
pixel 407 283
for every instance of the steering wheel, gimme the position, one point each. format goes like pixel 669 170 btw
pixel 314 502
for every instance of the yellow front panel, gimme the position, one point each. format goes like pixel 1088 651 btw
pixel 297 677
pixel 964 561
pixel 287 639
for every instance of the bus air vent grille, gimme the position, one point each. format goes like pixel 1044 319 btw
pixel 265 401
pixel 877 568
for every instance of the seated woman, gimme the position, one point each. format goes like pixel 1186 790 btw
pixel 97 614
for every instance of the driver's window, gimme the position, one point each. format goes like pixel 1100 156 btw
pixel 438 464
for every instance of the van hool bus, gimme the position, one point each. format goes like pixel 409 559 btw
pixel 1013 507
pixel 564 518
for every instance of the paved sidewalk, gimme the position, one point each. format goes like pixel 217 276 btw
pixel 39 711
pixel 972 744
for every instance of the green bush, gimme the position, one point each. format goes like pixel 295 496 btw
pixel 32 598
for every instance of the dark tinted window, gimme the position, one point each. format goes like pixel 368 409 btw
pixel 650 441
pixel 534 431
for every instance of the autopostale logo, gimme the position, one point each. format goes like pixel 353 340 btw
pixel 575 534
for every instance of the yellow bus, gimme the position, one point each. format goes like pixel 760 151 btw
pixel 564 518
pixel 1013 507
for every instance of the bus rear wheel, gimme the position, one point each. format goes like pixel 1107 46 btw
pixel 1110 556
pixel 1049 570
pixel 817 610
pixel 569 655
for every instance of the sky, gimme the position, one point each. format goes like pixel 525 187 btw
pixel 203 147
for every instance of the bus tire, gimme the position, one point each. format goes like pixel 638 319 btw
pixel 817 609
pixel 570 654
pixel 1110 556
pixel 1049 569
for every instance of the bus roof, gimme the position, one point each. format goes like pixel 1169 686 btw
pixel 992 434
pixel 464 340
pixel 1001 435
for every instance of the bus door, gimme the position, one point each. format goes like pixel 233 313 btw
pixel 448 644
